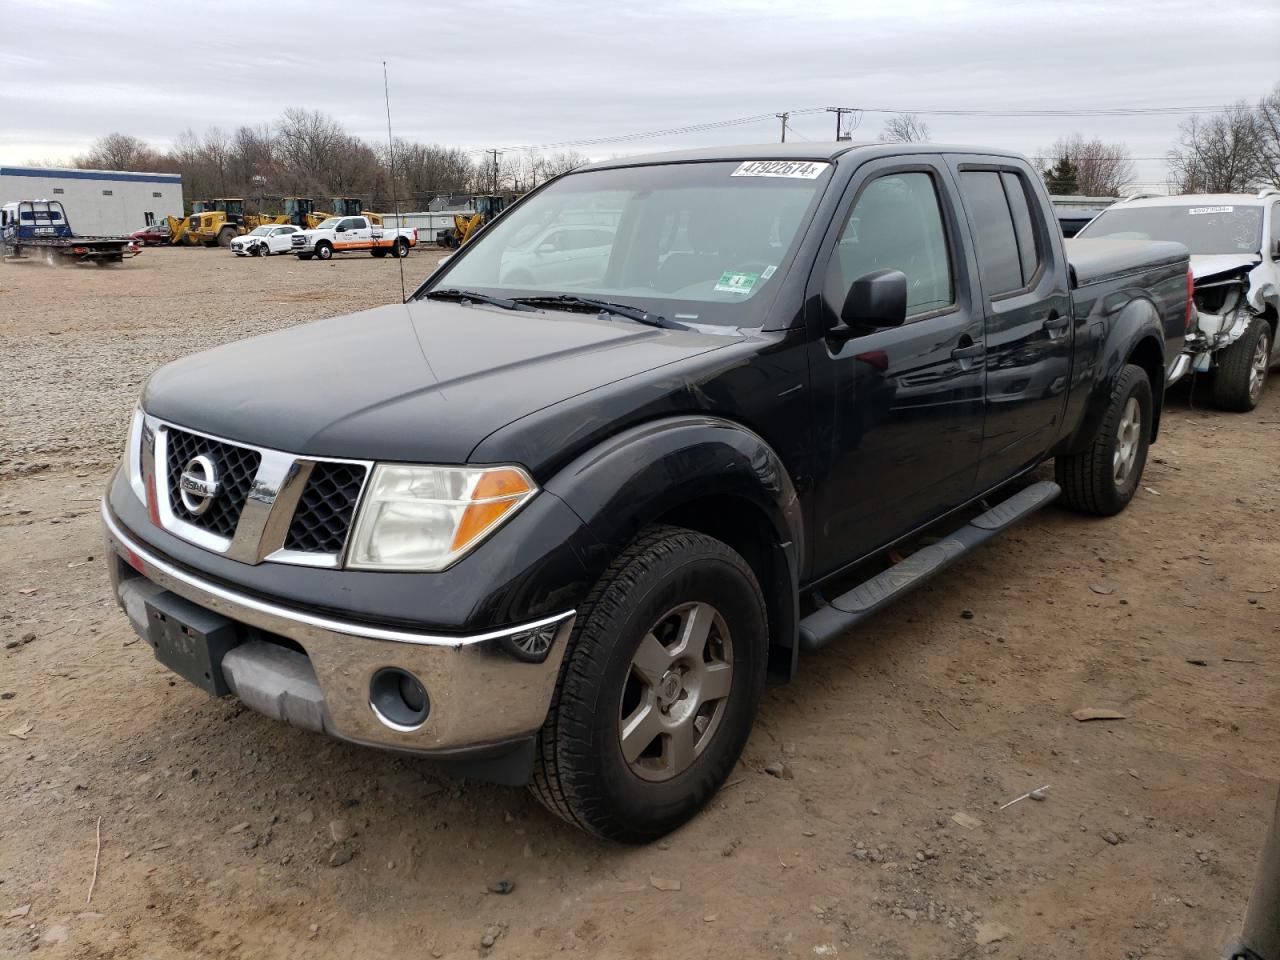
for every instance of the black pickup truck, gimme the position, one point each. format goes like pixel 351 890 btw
pixel 560 529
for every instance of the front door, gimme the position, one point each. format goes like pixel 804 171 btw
pixel 902 406
pixel 1027 305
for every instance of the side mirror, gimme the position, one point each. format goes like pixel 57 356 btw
pixel 340 229
pixel 877 299
pixel 547 246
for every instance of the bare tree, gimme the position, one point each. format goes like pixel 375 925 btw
pixel 904 128
pixel 425 170
pixel 1221 154
pixel 1101 169
pixel 119 151
pixel 533 168
pixel 1268 118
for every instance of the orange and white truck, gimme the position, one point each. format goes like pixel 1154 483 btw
pixel 353 235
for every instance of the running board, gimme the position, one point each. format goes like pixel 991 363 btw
pixel 849 609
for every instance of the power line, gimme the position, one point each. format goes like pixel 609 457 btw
pixel 802 111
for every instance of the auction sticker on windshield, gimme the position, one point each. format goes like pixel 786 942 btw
pixel 795 169
pixel 1195 211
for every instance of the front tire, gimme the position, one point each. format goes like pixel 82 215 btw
pixel 1103 478
pixel 324 251
pixel 304 256
pixel 226 235
pixel 1242 369
pixel 658 688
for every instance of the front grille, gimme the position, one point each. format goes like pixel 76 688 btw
pixel 324 512
pixel 236 468
pixel 297 240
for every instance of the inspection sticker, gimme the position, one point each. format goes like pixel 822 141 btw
pixel 1194 211
pixel 795 169
pixel 736 282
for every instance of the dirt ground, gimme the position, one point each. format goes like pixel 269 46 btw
pixel 218 826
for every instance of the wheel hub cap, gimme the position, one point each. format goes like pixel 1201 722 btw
pixel 669 689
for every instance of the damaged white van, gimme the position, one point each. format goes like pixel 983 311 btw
pixel 1234 241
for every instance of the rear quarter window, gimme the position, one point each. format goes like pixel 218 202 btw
pixel 993 227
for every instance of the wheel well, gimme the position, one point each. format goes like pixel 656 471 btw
pixel 1149 355
pixel 746 528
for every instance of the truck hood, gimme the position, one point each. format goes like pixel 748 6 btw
pixel 1209 265
pixel 423 381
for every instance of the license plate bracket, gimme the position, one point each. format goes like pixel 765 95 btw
pixel 191 641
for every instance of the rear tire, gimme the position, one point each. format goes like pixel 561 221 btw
pixel 1242 369
pixel 324 251
pixel 400 248
pixel 378 252
pixel 645 725
pixel 1103 479
pixel 226 235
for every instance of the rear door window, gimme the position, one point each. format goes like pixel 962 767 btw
pixel 997 240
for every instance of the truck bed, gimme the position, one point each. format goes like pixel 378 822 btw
pixel 1093 261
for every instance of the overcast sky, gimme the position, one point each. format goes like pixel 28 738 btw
pixel 480 75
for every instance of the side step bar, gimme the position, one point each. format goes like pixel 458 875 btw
pixel 847 610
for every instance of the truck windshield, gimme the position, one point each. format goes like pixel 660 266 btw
pixel 329 224
pixel 697 242
pixel 1203 228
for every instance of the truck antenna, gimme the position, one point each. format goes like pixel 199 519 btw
pixel 391 158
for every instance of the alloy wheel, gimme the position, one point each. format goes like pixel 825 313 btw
pixel 1128 437
pixel 675 696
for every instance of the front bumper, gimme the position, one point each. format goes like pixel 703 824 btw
pixel 485 691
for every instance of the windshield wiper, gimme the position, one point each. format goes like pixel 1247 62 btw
pixel 569 301
pixel 453 293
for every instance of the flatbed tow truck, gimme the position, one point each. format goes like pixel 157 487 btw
pixel 41 228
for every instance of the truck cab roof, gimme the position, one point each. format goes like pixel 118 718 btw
pixel 813 151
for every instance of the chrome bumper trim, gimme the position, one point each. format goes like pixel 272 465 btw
pixel 345 627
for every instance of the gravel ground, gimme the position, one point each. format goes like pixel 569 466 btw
pixel 865 817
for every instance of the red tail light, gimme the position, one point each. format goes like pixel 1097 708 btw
pixel 1191 302
pixel 415 234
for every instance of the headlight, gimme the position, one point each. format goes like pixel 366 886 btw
pixel 133 455
pixel 425 518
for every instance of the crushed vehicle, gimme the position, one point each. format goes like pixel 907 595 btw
pixel 41 228
pixel 352 235
pixel 1234 241
pixel 561 533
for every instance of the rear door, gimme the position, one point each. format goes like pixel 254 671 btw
pixel 1026 305
pixel 901 407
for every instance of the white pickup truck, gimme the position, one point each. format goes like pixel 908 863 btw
pixel 352 234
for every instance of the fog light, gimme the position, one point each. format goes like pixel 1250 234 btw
pixel 398 699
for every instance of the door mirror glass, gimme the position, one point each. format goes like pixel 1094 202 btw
pixel 876 299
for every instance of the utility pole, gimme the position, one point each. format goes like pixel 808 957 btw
pixel 495 154
pixel 840 112
pixel 783 118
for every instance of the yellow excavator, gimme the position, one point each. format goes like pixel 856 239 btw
pixel 214 223
pixel 301 212
pixel 465 225
pixel 350 207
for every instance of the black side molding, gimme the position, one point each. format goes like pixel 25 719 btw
pixel 847 610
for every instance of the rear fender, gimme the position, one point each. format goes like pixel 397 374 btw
pixel 708 474
pixel 1133 334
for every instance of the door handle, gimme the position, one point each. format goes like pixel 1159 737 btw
pixel 1056 325
pixel 971 352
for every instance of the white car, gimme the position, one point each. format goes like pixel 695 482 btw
pixel 1234 241
pixel 264 241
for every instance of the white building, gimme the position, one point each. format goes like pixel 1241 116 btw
pixel 98 202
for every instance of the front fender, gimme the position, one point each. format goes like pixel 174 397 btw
pixel 724 472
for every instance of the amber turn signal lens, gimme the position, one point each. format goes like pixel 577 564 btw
pixel 500 483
